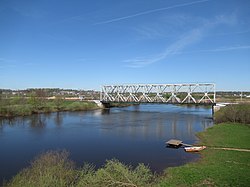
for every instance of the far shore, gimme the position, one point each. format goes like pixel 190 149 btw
pixel 34 106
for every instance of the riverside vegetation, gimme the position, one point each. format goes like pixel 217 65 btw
pixel 39 101
pixel 22 106
pixel 217 167
pixel 236 113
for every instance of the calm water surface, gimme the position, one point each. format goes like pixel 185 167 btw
pixel 135 134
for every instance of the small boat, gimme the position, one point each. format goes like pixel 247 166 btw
pixel 194 148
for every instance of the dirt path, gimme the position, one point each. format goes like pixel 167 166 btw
pixel 230 149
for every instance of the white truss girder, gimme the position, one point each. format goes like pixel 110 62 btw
pixel 200 93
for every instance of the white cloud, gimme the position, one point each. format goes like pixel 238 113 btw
pixel 192 37
pixel 167 26
pixel 188 39
pixel 151 31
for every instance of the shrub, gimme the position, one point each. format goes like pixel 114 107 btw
pixel 114 173
pixel 77 105
pixel 239 113
pixel 36 105
pixel 16 110
pixel 49 106
pixel 53 168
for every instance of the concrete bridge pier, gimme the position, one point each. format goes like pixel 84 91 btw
pixel 99 104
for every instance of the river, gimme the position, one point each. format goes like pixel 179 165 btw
pixel 134 134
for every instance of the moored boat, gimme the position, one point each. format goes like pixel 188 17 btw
pixel 194 148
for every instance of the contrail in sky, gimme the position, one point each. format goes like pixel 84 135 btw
pixel 149 12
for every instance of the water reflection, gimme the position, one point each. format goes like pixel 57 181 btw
pixel 154 125
pixel 131 122
pixel 34 121
pixel 37 121
pixel 58 119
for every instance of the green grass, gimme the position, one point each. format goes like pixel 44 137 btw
pixel 76 106
pixel 232 135
pixel 217 167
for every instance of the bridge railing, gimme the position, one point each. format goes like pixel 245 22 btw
pixel 202 93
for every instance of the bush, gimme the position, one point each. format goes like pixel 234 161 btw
pixel 239 113
pixel 49 106
pixel 53 168
pixel 114 173
pixel 13 110
pixel 77 106
pixel 10 108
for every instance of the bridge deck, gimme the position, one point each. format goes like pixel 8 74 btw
pixel 173 103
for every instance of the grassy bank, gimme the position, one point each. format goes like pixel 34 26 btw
pixel 215 168
pixel 25 107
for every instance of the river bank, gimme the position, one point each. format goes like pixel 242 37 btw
pixel 27 107
pixel 23 107
pixel 218 166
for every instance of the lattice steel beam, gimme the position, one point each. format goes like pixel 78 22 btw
pixel 200 93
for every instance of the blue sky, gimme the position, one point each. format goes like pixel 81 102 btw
pixel 84 44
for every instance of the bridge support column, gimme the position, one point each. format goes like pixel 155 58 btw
pixel 214 109
pixel 106 105
pixel 99 103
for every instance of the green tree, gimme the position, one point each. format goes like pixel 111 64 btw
pixel 59 102
pixel 38 98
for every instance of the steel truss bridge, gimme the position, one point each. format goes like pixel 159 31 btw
pixel 203 93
